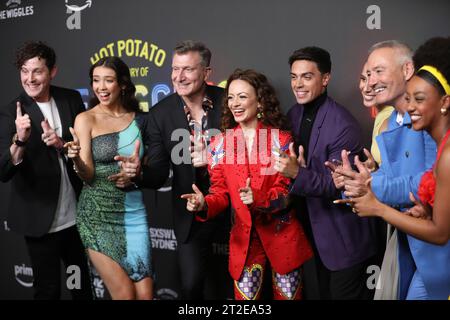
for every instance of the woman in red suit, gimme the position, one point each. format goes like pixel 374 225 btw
pixel 240 163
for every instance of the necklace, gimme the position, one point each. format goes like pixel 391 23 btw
pixel 112 115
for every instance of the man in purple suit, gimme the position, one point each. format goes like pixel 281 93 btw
pixel 344 243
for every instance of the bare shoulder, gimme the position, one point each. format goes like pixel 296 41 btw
pixel 443 164
pixel 85 120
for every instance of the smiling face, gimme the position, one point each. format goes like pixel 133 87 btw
pixel 36 77
pixel 243 103
pixel 367 92
pixel 388 75
pixel 188 74
pixel 307 82
pixel 424 104
pixel 105 85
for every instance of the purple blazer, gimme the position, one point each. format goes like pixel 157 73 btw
pixel 342 238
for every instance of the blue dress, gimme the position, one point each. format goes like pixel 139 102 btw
pixel 112 221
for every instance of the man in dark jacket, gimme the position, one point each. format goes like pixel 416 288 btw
pixel 179 129
pixel 44 187
pixel 343 243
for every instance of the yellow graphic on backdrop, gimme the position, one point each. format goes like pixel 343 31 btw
pixel 132 48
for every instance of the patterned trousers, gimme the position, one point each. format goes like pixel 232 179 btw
pixel 248 287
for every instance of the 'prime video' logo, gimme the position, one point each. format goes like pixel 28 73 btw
pixel 24 275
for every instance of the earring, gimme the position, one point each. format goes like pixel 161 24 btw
pixel 123 92
pixel 444 111
pixel 260 114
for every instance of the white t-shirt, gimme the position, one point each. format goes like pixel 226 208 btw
pixel 66 207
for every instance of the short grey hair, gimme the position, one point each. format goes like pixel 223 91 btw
pixel 195 46
pixel 405 51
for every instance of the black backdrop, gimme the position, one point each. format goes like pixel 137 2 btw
pixel 249 34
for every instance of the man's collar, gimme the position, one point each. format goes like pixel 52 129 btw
pixel 403 119
pixel 207 102
pixel 399 119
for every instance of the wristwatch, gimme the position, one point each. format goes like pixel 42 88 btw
pixel 18 142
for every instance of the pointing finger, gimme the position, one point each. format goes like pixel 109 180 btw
pixel 196 189
pixel 361 167
pixel 291 149
pixel 301 157
pixel 18 110
pixel 45 125
pixel 137 146
pixel 74 135
pixel 301 151
pixel 368 154
pixel 413 199
pixel 345 161
pixel 330 165
pixel 343 201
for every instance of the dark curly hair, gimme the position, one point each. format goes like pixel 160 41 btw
pixel 128 98
pixel 32 49
pixel 434 52
pixel 266 96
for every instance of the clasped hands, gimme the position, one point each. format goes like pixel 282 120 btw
pixel 357 188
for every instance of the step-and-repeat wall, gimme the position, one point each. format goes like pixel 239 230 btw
pixel 246 34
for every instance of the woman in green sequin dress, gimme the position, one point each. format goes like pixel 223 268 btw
pixel 112 221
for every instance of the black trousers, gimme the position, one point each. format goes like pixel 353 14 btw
pixel 345 284
pixel 197 272
pixel 46 253
pixel 320 283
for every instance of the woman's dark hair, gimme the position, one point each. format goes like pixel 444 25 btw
pixel 32 49
pixel 434 52
pixel 127 96
pixel 266 96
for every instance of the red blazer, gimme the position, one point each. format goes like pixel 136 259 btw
pixel 229 167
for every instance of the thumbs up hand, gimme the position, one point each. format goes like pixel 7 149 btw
pixel 23 124
pixel 73 147
pixel 131 165
pixel 195 201
pixel 289 165
pixel 370 163
pixel 198 152
pixel 246 193
pixel 130 168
